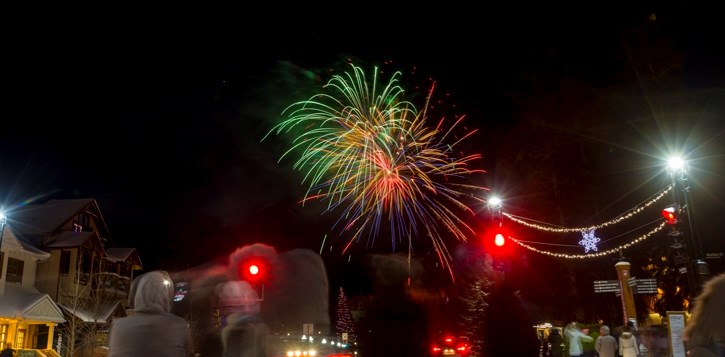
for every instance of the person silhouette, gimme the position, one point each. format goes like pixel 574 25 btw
pixel 151 329
pixel 575 336
pixel 8 351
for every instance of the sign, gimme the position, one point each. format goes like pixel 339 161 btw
pixel 631 281
pixel 645 286
pixel 676 323
pixel 606 286
pixel 308 329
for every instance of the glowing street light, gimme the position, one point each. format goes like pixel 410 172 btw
pixel 676 164
pixel 495 203
pixel 697 269
pixel 3 221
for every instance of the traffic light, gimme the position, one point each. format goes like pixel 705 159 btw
pixel 494 240
pixel 499 240
pixel 254 270
pixel 670 214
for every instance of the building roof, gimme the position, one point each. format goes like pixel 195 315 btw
pixel 45 218
pixel 103 315
pixel 69 239
pixel 119 253
pixel 29 305
pixel 126 255
pixel 12 241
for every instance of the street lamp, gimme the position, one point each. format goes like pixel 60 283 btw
pixel 3 221
pixel 698 271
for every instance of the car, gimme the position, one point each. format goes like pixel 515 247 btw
pixel 455 346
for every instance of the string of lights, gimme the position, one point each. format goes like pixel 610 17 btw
pixel 550 227
pixel 592 255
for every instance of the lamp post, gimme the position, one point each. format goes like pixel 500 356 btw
pixel 697 269
pixel 497 245
pixel 3 221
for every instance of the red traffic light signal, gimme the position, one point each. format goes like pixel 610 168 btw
pixel 670 214
pixel 253 270
pixel 499 240
pixel 494 242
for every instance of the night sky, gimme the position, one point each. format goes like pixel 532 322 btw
pixel 161 120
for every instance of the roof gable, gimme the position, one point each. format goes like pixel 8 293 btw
pixel 44 310
pixel 129 255
pixel 47 218
pixel 30 306
pixel 103 313
pixel 12 242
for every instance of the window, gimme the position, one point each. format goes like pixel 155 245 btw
pixel 2 260
pixel 83 275
pixel 3 335
pixel 64 262
pixel 83 218
pixel 15 271
pixel 20 339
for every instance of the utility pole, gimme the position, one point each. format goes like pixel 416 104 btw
pixel 697 269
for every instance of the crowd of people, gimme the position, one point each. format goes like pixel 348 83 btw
pixel 703 336
pixel 152 329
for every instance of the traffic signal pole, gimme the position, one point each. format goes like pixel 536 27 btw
pixel 697 269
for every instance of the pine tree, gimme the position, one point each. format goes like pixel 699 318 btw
pixel 344 323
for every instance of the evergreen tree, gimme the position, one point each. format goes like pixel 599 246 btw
pixel 344 323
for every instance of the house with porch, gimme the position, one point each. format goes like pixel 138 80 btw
pixel 28 317
pixel 84 273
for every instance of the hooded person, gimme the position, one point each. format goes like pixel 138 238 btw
pixel 150 329
pixel 628 343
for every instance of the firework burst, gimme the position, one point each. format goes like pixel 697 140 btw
pixel 372 157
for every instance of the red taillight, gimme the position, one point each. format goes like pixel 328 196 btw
pixel 461 348
pixel 436 349
pixel 449 339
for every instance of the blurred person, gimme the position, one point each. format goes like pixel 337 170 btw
pixel 575 336
pixel 704 335
pixel 8 351
pixel 556 343
pixel 244 333
pixel 636 333
pixel 151 329
pixel 605 345
pixel 628 343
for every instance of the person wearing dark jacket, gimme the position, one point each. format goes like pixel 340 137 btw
pixel 8 351
pixel 151 329
pixel 556 343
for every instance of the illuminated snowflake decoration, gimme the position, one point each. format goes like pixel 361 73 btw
pixel 589 241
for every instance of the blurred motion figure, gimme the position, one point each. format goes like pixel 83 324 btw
pixel 704 335
pixel 244 333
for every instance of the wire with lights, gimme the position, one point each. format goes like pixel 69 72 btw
pixel 591 255
pixel 589 239
pixel 631 213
